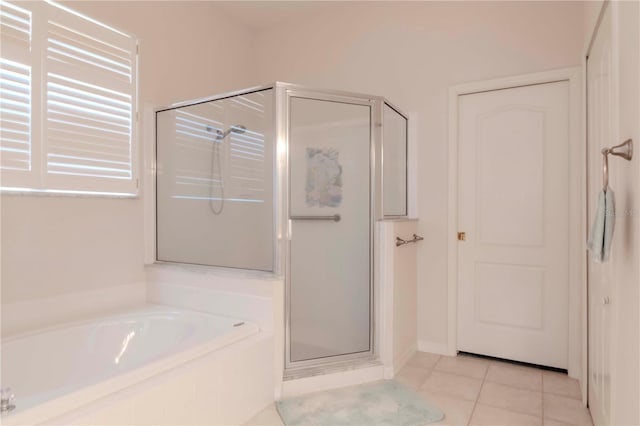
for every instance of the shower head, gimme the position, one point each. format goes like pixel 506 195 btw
pixel 236 128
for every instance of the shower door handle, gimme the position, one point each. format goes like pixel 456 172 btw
pixel 334 218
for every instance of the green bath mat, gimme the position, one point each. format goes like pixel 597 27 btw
pixel 381 403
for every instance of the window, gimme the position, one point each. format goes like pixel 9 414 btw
pixel 67 102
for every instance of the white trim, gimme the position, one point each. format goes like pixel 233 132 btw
pixel 583 374
pixel 433 347
pixel 577 239
pixel 577 179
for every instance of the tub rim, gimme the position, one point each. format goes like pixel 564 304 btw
pixel 130 310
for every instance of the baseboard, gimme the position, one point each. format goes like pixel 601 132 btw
pixel 19 317
pixel 433 347
pixel 332 381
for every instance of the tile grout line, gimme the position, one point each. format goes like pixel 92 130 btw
pixel 512 411
pixel 484 380
pixel 429 371
pixel 455 373
pixel 475 403
pixel 542 395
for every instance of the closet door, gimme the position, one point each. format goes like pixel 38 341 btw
pixel 600 133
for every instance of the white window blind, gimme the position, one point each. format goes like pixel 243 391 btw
pixel 15 117
pixel 15 89
pixel 68 102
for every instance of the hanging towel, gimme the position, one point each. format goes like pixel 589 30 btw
pixel 599 243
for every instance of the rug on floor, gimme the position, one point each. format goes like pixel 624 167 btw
pixel 380 403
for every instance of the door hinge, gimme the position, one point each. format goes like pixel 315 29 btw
pixel 462 236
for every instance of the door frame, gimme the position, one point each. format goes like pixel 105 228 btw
pixel 577 191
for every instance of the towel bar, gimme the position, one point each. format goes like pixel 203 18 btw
pixel 624 150
pixel 415 239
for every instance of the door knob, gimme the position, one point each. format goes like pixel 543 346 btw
pixel 605 300
pixel 462 236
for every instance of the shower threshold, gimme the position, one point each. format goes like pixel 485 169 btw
pixel 334 367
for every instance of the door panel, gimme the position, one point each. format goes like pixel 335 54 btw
pixel 329 282
pixel 600 91
pixel 513 206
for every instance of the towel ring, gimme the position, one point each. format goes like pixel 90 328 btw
pixel 624 150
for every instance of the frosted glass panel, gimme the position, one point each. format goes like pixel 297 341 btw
pixel 394 163
pixel 215 182
pixel 329 149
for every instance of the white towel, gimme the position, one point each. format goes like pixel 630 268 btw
pixel 601 236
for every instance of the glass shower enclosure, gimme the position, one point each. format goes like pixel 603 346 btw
pixel 289 180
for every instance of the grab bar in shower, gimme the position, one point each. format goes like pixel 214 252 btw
pixel 335 218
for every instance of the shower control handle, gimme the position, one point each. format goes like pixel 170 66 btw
pixel 334 218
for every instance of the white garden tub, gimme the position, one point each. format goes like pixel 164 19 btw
pixel 92 372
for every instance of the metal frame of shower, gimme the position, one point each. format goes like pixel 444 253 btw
pixel 283 92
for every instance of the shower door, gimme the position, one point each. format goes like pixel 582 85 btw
pixel 329 282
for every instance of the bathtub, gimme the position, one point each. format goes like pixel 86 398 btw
pixel 152 365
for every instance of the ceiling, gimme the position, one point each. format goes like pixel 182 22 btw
pixel 262 15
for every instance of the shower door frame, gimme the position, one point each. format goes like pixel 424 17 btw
pixel 284 93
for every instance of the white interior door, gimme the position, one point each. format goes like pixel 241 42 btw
pixel 600 92
pixel 513 204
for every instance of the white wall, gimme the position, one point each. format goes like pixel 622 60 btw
pixel 411 52
pixel 396 301
pixel 405 306
pixel 591 14
pixel 53 246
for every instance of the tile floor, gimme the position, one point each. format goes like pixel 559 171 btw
pixel 474 391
